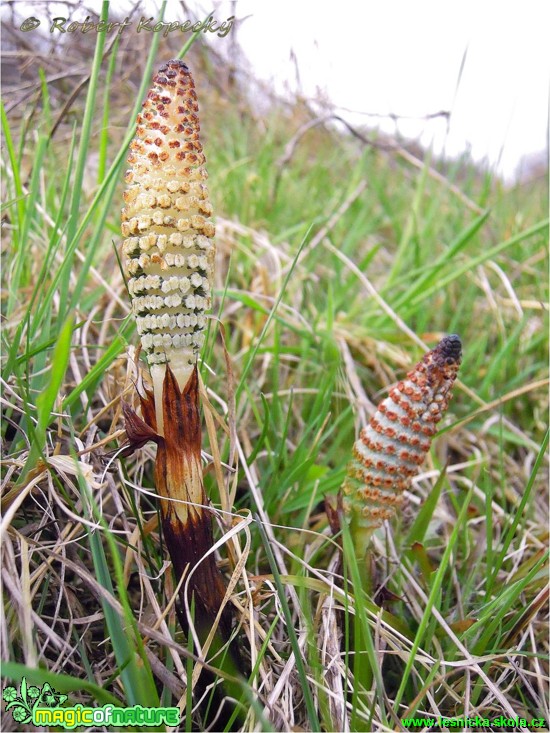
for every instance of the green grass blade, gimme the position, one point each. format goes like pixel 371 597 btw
pixel 429 277
pixel 411 224
pixel 90 108
pixel 104 135
pixel 420 525
pixel 492 622
pixel 94 375
pixel 308 698
pixel 19 194
pixel 366 665
pixel 471 264
pixel 272 313
pixel 133 665
pixel 434 594
pixel 519 513
pixel 46 400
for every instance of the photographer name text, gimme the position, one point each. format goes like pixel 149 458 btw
pixel 145 25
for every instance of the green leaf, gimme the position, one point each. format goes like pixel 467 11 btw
pixel 46 400
pixel 23 690
pixel 420 525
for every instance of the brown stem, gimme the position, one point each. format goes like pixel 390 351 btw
pixel 186 521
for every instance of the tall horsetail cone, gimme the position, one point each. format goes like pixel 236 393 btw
pixel 168 257
pixel 168 246
pixel 394 444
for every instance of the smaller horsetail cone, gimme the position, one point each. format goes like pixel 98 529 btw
pixel 168 246
pixel 394 444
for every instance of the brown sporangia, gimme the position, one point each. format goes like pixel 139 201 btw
pixel 168 258
pixel 393 446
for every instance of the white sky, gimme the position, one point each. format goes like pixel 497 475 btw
pixel 404 57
